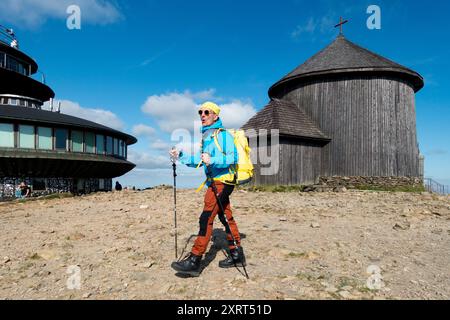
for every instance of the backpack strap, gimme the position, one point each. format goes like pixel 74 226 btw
pixel 214 134
pixel 216 140
pixel 232 168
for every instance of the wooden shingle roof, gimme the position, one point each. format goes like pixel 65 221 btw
pixel 284 116
pixel 344 56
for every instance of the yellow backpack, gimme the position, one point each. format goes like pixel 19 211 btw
pixel 244 168
pixel 242 172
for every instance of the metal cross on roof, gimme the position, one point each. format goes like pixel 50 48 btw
pixel 340 24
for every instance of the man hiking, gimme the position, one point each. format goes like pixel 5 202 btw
pixel 218 165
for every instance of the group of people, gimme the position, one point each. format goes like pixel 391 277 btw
pixel 23 191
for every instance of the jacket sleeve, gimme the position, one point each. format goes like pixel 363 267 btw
pixel 228 156
pixel 190 160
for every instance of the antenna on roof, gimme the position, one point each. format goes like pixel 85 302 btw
pixel 59 107
pixel 340 24
pixel 8 36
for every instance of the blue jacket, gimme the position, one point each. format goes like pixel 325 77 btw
pixel 220 161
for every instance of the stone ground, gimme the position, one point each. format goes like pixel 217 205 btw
pixel 298 246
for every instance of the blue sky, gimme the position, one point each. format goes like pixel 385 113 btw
pixel 131 60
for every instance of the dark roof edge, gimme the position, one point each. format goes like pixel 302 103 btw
pixel 414 78
pixel 309 138
pixel 21 55
pixel 87 124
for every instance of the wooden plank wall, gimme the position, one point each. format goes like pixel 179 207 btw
pixel 372 123
pixel 299 163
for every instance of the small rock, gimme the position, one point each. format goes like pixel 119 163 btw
pixel 46 255
pixel 345 294
pixel 148 265
pixel 6 260
pixel 347 288
pixel 331 289
pixel 402 226
pixel 144 206
pixel 283 219
pixel 141 277
pixel 315 225
pixel 86 295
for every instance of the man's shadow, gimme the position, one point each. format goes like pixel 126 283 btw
pixel 219 243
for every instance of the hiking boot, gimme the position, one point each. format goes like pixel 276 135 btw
pixel 189 265
pixel 236 258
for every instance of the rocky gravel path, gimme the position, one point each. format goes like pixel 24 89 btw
pixel 350 245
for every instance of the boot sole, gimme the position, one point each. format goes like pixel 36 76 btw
pixel 190 273
pixel 233 266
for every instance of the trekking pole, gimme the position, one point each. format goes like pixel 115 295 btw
pixel 222 213
pixel 174 166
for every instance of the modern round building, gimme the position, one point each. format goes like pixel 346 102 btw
pixel 50 151
pixel 344 112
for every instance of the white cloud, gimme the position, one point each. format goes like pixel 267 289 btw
pixel 101 116
pixel 236 113
pixel 143 178
pixel 175 110
pixel 144 160
pixel 323 25
pixel 171 111
pixel 310 27
pixel 160 145
pixel 33 13
pixel 141 130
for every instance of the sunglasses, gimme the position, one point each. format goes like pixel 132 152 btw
pixel 206 112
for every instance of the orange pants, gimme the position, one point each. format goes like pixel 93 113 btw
pixel 210 210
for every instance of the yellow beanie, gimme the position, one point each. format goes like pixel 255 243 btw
pixel 211 106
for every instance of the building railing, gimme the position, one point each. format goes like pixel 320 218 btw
pixel 435 187
pixel 7 36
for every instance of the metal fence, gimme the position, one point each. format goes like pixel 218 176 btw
pixel 6 35
pixel 436 187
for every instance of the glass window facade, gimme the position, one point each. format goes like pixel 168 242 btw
pixel 116 147
pixel 26 137
pixel 45 138
pixel 2 59
pixel 16 65
pixel 89 140
pixel 121 143
pixel 61 136
pixel 6 135
pixel 100 144
pixel 77 141
pixel 109 145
